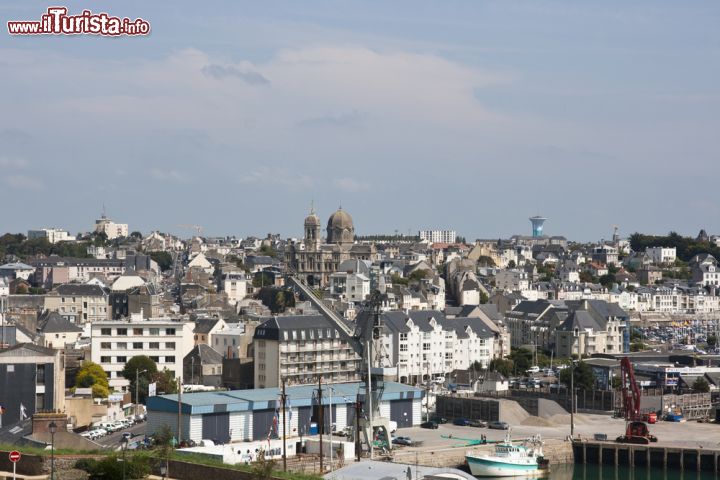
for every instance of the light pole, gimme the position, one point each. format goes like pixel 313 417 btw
pixel 137 389
pixel 53 428
pixel 123 444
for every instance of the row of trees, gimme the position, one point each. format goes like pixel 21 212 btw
pixel 686 247
pixel 141 367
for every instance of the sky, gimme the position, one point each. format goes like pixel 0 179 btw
pixel 466 115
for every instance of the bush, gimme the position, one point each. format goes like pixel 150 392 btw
pixel 111 467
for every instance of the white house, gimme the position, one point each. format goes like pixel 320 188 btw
pixel 662 255
pixel 164 340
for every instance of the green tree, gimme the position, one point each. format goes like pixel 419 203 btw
pixel 485 261
pixel 511 264
pixel 419 275
pixel 587 277
pixel 701 385
pixel 163 259
pixel 396 279
pixel 637 346
pixel 136 235
pixel 522 359
pixel 262 279
pixel 92 375
pixel 484 298
pixel 166 382
pixel 711 340
pixel 584 376
pixel 502 366
pixel 144 368
pixel 268 250
pixel 607 280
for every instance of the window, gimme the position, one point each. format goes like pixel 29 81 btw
pixel 426 346
pixel 121 345
pixel 171 345
pixel 403 337
pixel 137 345
pixel 169 331
pixel 294 334
pixel 285 335
pixel 155 359
pixel 170 359
pixel 122 331
pixel 154 331
pixel 137 331
pixel 302 334
pixel 121 359
pixel 104 359
pixel 40 378
pixel 154 346
pixel 105 331
pixel 403 347
pixel 105 345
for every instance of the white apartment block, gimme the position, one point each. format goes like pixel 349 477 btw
pixel 79 303
pixel 164 340
pixel 661 255
pixel 353 287
pixel 438 236
pixel 111 229
pixel 424 344
pixel 234 285
pixel 53 235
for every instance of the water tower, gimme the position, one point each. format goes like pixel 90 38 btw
pixel 537 225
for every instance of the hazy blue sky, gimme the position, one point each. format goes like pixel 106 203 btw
pixel 411 114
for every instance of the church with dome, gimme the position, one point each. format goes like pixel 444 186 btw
pixel 315 258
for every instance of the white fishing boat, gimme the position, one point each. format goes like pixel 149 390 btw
pixel 509 460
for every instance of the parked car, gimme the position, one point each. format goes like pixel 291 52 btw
pixel 127 435
pixel 463 422
pixel 497 425
pixel 478 423
pixel 438 420
pixel 533 370
pixel 429 424
pixel 402 441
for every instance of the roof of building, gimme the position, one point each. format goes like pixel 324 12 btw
pixel 80 289
pixel 205 325
pixel 53 322
pixel 16 266
pixel 206 354
pixel 27 350
pixel 311 326
pixel 269 398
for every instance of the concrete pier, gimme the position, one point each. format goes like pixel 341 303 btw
pixel 665 456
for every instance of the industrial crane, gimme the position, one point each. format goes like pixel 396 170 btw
pixel 636 430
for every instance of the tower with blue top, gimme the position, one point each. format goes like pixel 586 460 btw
pixel 537 225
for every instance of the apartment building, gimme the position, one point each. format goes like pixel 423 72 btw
pixel 164 340
pixel 79 303
pixel 111 229
pixel 587 330
pixel 53 235
pixel 235 284
pixel 299 348
pixel 426 344
pixel 438 236
pixel 662 255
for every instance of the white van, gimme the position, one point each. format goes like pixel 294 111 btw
pixel 533 370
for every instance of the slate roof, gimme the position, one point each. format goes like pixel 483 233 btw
pixel 204 325
pixel 206 354
pixel 27 349
pixel 53 322
pixel 80 290
pixel 271 328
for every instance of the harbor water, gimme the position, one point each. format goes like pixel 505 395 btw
pixel 605 472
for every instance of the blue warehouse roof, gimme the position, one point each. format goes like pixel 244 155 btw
pixel 268 398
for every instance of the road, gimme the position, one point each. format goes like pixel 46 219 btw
pixel 113 440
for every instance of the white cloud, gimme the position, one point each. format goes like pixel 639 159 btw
pixel 23 182
pixel 168 175
pixel 278 176
pixel 351 185
pixel 13 162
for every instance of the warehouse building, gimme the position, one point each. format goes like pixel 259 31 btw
pixel 245 415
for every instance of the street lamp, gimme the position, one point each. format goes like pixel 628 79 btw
pixel 53 428
pixel 137 389
pixel 123 444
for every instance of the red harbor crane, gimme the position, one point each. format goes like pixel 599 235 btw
pixel 636 430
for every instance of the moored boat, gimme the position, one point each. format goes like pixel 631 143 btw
pixel 509 460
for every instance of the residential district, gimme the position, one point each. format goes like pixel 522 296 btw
pixel 242 348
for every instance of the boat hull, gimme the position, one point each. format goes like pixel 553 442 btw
pixel 489 467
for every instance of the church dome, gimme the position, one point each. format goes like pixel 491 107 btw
pixel 340 228
pixel 312 220
pixel 340 219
